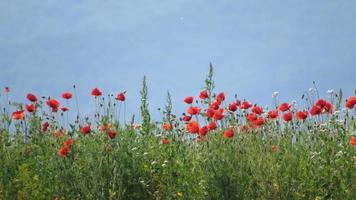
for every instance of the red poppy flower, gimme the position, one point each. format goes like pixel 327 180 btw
pixel 258 110
pixel 30 108
pixel 212 125
pixel 85 130
pixel 229 133
pixel 96 92
pixel 18 115
pixel 232 107
pixel 284 107
pixel 167 126
pixel 6 89
pixel 165 141
pixel 245 105
pixel 353 141
pixel 67 95
pixel 53 103
pixel 274 148
pixel 350 102
pixel 193 110
pixel 63 151
pixel 45 126
pixel 324 105
pixel 287 116
pixel 203 131
pixel 315 110
pixel 105 127
pixel 259 121
pixel 219 114
pixel 210 113
pixel 238 102
pixel 220 97
pixel 187 118
pixel 59 134
pixel 112 134
pixel 68 142
pixel 31 97
pixel 121 96
pixel 251 117
pixel 64 109
pixel 302 115
pixel 189 100
pixel 193 127
pixel 204 94
pixel 273 114
pixel 214 105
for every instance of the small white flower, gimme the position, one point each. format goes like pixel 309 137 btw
pixel 331 91
pixel 275 94
pixel 311 90
pixel 153 162
pixel 163 165
pixel 166 161
pixel 145 153
pixel 133 149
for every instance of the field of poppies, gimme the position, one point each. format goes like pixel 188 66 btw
pixel 215 150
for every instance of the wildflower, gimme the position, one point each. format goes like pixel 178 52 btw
pixel 274 148
pixel 315 110
pixel 350 102
pixel 229 133
pixel 193 110
pixel 203 131
pixel 302 115
pixel 45 126
pixel 220 97
pixel 54 104
pixel 121 96
pixel 189 100
pixel 167 126
pixel 244 128
pixel 288 116
pixel 204 94
pixel 59 134
pixel 112 134
pixel 31 97
pixel 212 125
pixel 96 92
pixel 232 107
pixel 245 105
pixel 193 127
pixel 67 95
pixel 85 129
pixel 30 108
pixel 165 141
pixel 331 91
pixel 284 107
pixel 187 118
pixel 214 105
pixel 68 142
pixel 63 151
pixel 210 113
pixel 353 141
pixel 219 114
pixel 259 121
pixel 275 94
pixel 18 115
pixel 258 110
pixel 7 90
pixel 325 106
pixel 251 117
pixel 273 114
pixel 64 109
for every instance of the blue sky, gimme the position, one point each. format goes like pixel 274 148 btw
pixel 257 47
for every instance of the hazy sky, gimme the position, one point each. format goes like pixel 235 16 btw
pixel 257 47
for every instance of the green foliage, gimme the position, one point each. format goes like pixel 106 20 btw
pixel 145 114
